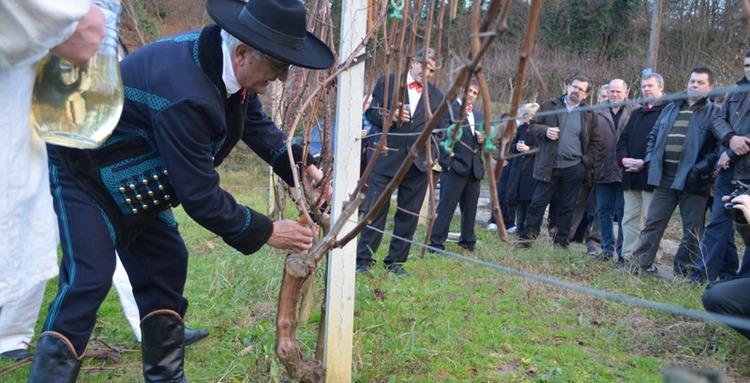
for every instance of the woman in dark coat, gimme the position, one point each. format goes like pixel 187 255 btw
pixel 521 182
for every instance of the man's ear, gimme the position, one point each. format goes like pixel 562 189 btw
pixel 241 53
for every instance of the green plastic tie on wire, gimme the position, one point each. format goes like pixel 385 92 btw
pixel 488 145
pixel 396 9
pixel 495 130
pixel 447 144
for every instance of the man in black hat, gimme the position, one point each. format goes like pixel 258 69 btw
pixel 189 99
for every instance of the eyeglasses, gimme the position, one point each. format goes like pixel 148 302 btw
pixel 578 88
pixel 280 67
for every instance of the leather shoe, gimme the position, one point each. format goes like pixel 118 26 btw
pixel 398 269
pixel 192 336
pixel 16 355
pixel 434 247
pixel 362 268
pixel 467 246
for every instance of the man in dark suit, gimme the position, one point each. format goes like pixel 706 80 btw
pixel 409 118
pixel 462 173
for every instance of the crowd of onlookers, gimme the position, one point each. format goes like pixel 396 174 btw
pixel 611 175
pixel 631 163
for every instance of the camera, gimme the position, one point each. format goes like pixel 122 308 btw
pixel 729 210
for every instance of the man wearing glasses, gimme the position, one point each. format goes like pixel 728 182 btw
pixel 569 142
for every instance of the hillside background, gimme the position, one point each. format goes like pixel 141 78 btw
pixel 602 39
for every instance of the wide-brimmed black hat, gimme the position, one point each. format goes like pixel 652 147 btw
pixel 277 28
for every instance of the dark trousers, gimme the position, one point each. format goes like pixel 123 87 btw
pixel 522 210
pixel 565 184
pixel 729 297
pixel 718 255
pixel 585 207
pixel 456 190
pixel 507 207
pixel 156 262
pixel 611 204
pixel 411 192
pixel 663 204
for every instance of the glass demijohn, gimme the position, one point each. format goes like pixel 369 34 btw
pixel 80 107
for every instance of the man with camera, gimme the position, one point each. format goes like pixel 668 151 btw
pixel 718 256
pixel 680 155
pixel 730 296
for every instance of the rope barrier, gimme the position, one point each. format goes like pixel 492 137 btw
pixel 637 101
pixel 672 309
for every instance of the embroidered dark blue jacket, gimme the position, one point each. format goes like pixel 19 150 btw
pixel 177 125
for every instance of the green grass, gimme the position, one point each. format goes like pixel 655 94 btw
pixel 451 321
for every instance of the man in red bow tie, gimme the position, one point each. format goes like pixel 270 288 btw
pixel 409 118
pixel 416 86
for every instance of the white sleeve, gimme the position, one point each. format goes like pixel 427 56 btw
pixel 30 28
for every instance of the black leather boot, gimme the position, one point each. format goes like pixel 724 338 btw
pixel 163 347
pixel 55 360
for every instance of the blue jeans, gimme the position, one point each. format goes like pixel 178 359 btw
pixel 611 204
pixel 718 255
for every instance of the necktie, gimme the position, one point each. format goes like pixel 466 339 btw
pixel 469 109
pixel 648 106
pixel 416 86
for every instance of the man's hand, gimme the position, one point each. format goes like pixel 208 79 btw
pixel 739 145
pixel 323 192
pixel 403 113
pixel 723 160
pixel 522 147
pixel 84 42
pixel 741 202
pixel 480 137
pixel 553 133
pixel 632 165
pixel 289 235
